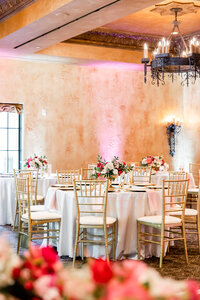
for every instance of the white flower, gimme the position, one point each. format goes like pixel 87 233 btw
pixel 109 166
pixel 144 161
pixel 8 261
pixel 162 168
pixel 37 161
pixel 164 288
pixel 115 171
pixel 104 171
pixel 166 166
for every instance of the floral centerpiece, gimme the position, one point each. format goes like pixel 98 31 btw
pixel 156 162
pixel 41 276
pixel 110 169
pixel 36 162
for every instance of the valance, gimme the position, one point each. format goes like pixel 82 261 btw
pixel 11 107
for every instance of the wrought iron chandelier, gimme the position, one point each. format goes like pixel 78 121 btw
pixel 173 57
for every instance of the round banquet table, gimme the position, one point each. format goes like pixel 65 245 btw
pixel 8 196
pixel 159 176
pixel 125 206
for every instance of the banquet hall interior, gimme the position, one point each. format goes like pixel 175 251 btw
pixel 110 88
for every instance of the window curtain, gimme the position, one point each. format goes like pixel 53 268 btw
pixel 11 107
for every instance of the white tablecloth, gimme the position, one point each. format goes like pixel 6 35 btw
pixel 160 176
pixel 125 206
pixel 8 196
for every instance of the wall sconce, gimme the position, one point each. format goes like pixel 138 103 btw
pixel 173 128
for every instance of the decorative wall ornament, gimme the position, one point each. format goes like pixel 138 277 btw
pixel 173 128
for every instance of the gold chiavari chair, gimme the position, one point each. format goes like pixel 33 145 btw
pixel 91 200
pixel 133 163
pixel 141 174
pixel 67 176
pixel 177 175
pixel 194 169
pixel 174 194
pixel 92 166
pixel 192 215
pixel 33 188
pixel 33 223
pixel 86 174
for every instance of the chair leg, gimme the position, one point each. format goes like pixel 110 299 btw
pixel 76 244
pixel 29 235
pixel 48 233
pixel 113 242
pixel 138 238
pixel 162 247
pixel 19 236
pixel 106 243
pixel 82 244
pixel 16 214
pixel 198 231
pixel 184 242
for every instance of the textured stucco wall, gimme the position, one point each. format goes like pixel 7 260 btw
pixel 96 109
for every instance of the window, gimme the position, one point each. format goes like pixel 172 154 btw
pixel 10 141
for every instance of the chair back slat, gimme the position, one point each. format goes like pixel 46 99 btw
pixel 174 194
pixel 141 174
pixel 67 176
pixel 92 166
pixel 176 175
pixel 23 194
pixel 86 173
pixel 133 163
pixel 91 196
pixel 33 182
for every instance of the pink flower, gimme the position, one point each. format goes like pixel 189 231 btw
pixel 101 271
pixel 149 160
pixel 49 255
pixel 129 269
pixel 129 289
pixel 46 288
pixel 16 272
pixel 28 285
pixel 193 288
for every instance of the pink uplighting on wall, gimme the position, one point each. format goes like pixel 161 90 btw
pixel 111 142
pixel 113 65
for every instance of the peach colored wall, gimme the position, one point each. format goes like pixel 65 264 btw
pixel 96 109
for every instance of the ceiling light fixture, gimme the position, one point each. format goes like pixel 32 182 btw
pixel 173 56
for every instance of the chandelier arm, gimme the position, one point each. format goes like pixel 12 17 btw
pixel 184 43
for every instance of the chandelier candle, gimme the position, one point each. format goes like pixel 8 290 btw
pixel 145 51
pixel 167 47
pixel 163 45
pixel 197 47
pixel 159 47
pixel 192 47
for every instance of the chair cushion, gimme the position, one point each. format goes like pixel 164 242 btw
pixel 39 198
pixel 42 215
pixel 158 219
pixel 188 212
pixel 37 207
pixel 95 220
